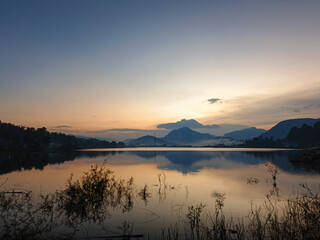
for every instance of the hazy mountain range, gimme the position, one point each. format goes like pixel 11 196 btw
pixel 124 134
pixel 304 132
pixel 181 137
pixel 214 129
pixel 245 134
pixel 177 137
pixel 186 136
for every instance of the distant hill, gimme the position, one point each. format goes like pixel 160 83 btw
pixel 281 130
pixel 245 134
pixel 126 141
pixel 99 138
pixel 185 136
pixel 148 141
pixel 227 128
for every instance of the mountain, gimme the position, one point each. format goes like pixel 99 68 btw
pixel 186 135
pixel 148 141
pixel 214 129
pixel 225 128
pixel 281 130
pixel 245 134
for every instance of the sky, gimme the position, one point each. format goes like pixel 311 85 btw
pixel 89 66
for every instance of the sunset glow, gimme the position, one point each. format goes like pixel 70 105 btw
pixel 127 64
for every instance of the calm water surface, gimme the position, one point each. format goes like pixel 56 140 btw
pixel 188 176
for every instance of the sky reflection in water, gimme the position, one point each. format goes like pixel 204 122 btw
pixel 187 178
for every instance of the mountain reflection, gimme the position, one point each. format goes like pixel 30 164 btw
pixel 182 161
pixel 188 161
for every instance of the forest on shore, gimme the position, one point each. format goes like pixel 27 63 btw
pixel 28 139
pixel 303 137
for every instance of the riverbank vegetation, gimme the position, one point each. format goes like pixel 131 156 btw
pixel 90 199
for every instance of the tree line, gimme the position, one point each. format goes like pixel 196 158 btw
pixel 29 139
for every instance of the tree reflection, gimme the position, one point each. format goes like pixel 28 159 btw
pixel 89 199
pixel 92 197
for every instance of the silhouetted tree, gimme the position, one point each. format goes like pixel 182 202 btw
pixel 261 142
pixel 305 136
pixel 24 139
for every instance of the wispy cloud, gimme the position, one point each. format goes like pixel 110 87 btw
pixel 265 111
pixel 62 127
pixel 121 130
pixel 298 109
pixel 125 133
pixel 190 123
pixel 214 100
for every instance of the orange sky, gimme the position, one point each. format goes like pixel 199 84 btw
pixel 95 66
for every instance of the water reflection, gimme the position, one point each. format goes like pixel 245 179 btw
pixel 98 202
pixel 186 161
pixel 182 161
pixel 10 162
pixel 84 201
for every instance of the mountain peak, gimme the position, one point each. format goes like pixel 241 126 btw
pixel 245 134
pixel 185 135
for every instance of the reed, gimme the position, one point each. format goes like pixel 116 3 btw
pixel 90 199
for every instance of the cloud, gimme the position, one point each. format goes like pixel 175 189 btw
pixel 121 130
pixel 308 106
pixel 62 127
pixel 300 108
pixel 190 123
pixel 265 111
pixel 214 100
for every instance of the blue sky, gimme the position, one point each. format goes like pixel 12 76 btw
pixel 96 65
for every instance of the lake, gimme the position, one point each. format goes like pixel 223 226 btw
pixel 175 177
